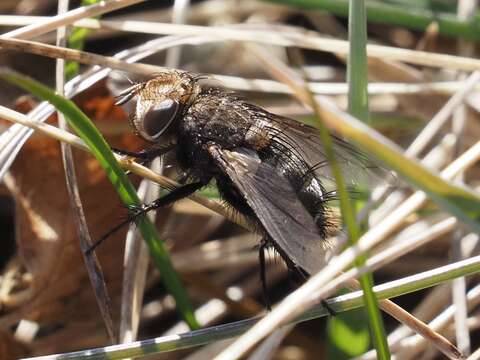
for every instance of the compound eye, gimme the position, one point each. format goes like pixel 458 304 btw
pixel 159 118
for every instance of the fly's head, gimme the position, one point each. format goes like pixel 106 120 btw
pixel 160 102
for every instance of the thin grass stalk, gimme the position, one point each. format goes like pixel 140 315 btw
pixel 270 346
pixel 289 36
pixel 414 18
pixel 54 22
pixel 357 74
pixel 76 40
pixel 135 274
pixel 179 15
pixel 475 355
pixel 135 266
pixel 334 46
pixel 357 66
pixel 311 40
pixel 99 147
pixel 341 303
pixel 92 263
pixel 434 338
pixel 466 10
pixel 412 346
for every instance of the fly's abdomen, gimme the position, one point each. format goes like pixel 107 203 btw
pixel 304 182
pixel 314 199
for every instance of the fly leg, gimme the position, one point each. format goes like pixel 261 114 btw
pixel 303 275
pixel 173 196
pixel 146 155
pixel 263 274
pixel 331 312
pixel 136 211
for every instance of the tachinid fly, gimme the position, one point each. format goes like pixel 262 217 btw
pixel 267 167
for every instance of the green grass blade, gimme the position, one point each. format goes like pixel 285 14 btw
pixel 357 67
pixel 357 74
pixel 409 17
pixel 76 40
pixel 101 150
pixel 348 335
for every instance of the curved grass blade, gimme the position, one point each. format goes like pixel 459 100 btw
pixel 339 304
pixel 348 335
pixel 101 150
pixel 357 73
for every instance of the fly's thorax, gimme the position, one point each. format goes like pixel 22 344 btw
pixel 217 116
pixel 177 86
pixel 161 101
pixel 258 135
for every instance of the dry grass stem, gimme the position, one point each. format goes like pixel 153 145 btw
pixel 52 23
pixel 288 36
pixel 91 260
pixel 136 260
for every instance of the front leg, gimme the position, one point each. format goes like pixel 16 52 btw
pixel 135 211
pixel 146 155
pixel 263 275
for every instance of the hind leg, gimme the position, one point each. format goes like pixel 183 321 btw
pixel 263 274
pixel 297 273
pixel 147 155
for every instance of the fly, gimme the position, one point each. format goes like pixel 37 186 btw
pixel 269 168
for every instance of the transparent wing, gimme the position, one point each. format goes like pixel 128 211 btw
pixel 276 205
pixel 304 141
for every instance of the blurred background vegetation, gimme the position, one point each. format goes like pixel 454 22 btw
pixel 46 302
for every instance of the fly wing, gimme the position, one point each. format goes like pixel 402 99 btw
pixel 276 205
pixel 304 142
